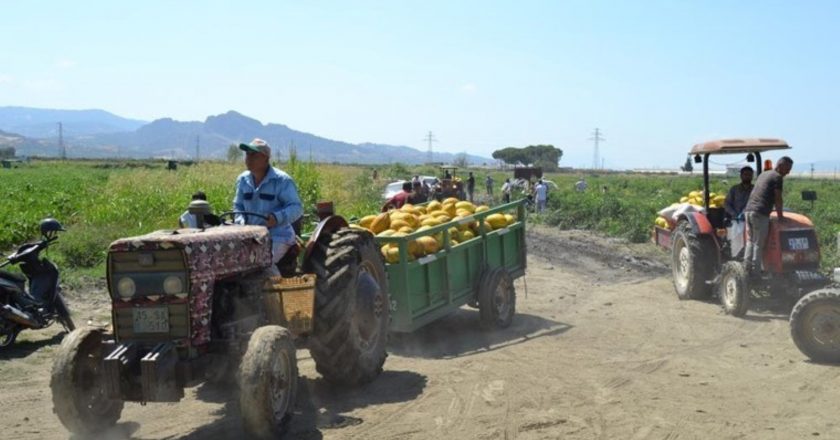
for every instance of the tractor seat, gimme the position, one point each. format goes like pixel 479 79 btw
pixel 716 217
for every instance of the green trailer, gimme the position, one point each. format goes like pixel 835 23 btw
pixel 478 272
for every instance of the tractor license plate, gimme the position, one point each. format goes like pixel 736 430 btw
pixel 151 320
pixel 798 243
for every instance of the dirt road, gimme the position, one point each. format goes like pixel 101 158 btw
pixel 600 349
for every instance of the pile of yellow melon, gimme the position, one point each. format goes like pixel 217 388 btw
pixel 411 218
pixel 696 198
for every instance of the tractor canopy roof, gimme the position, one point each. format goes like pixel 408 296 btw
pixel 742 145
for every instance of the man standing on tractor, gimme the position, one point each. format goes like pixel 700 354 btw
pixel 766 194
pixel 739 194
pixel 266 190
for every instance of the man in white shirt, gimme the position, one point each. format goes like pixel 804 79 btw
pixel 541 195
pixel 506 188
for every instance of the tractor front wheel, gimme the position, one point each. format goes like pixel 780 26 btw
pixel 734 289
pixel 268 380
pixel 815 325
pixel 78 391
pixel 352 312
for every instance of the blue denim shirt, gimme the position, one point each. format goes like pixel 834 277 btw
pixel 276 195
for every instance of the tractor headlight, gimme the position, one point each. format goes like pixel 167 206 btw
pixel 172 285
pixel 126 287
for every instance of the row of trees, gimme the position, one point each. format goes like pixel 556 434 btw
pixel 545 156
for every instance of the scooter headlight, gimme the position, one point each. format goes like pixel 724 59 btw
pixel 126 287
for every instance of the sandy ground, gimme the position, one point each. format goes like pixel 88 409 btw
pixel 600 349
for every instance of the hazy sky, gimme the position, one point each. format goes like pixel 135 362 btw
pixel 655 76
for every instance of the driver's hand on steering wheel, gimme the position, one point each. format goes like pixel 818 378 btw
pixel 271 222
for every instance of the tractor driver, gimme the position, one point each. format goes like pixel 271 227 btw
pixel 739 194
pixel 265 190
pixel 766 194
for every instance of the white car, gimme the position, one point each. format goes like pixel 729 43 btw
pixel 394 187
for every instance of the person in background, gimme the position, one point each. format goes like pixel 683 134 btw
pixel 506 189
pixel 418 194
pixel 766 194
pixel 488 183
pixel 541 195
pixel 739 195
pixel 399 199
pixel 188 220
pixel 581 185
pixel 266 190
pixel 470 186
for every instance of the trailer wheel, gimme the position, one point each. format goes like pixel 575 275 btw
pixel 352 313
pixel 496 299
pixel 815 325
pixel 734 289
pixel 268 380
pixel 78 391
pixel 691 262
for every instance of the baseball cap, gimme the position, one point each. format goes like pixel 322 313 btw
pixel 257 146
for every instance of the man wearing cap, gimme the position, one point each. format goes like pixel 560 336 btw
pixel 265 190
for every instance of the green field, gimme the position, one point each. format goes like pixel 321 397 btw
pixel 99 202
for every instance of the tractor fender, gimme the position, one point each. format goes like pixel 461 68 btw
pixel 699 223
pixel 325 226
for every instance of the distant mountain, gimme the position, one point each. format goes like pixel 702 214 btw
pixel 23 146
pixel 43 123
pixel 176 139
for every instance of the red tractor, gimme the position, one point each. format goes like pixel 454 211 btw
pixel 707 247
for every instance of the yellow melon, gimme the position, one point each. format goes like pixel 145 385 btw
pixel 466 235
pixel 444 218
pixel 366 221
pixel 399 223
pixel 496 220
pixel 430 222
pixel 465 205
pixel 380 223
pixel 481 208
pixel 386 233
pixel 509 219
pixel 434 205
pixel 452 200
pixel 429 244
pixel 406 230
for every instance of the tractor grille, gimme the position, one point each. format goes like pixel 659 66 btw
pixel 129 327
pixel 799 249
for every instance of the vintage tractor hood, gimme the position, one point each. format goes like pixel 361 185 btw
pixel 211 255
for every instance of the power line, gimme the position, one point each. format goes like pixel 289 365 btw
pixel 596 138
pixel 61 149
pixel 430 138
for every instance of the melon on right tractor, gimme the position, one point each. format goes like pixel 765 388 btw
pixel 707 248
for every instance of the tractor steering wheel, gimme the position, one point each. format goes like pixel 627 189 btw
pixel 233 214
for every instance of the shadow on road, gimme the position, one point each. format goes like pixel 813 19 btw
pixel 459 334
pixel 319 406
pixel 22 349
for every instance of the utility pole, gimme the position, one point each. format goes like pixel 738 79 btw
pixel 596 138
pixel 61 150
pixel 197 147
pixel 430 138
pixel 812 171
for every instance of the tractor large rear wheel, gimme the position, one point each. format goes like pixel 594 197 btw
pixel 352 307
pixel 692 259
pixel 815 325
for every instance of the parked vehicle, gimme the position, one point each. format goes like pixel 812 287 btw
pixel 199 304
pixel 32 300
pixel 706 253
